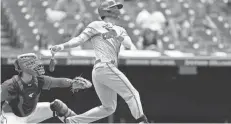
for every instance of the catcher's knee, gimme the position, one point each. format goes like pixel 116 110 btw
pixel 61 109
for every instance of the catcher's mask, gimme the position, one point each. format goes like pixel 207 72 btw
pixel 109 8
pixel 29 63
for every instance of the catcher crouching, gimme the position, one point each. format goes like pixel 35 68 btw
pixel 20 94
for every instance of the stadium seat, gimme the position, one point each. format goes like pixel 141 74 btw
pixel 27 24
pixel 18 17
pixel 223 26
pixel 46 28
pixel 9 37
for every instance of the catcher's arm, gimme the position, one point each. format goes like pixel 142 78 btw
pixel 75 84
pixel 52 82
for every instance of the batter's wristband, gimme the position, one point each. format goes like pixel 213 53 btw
pixel 61 46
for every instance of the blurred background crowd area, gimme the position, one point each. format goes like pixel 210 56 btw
pixel 200 27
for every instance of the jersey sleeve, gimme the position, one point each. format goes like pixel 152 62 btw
pixel 124 33
pixel 91 29
pixel 126 40
pixel 89 32
pixel 47 82
pixel 8 90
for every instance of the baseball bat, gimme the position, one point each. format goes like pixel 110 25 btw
pixel 52 63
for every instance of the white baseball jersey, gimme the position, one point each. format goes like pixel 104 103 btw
pixel 106 39
pixel 109 80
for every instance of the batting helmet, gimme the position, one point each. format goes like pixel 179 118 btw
pixel 106 9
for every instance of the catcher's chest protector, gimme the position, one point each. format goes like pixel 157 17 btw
pixel 28 96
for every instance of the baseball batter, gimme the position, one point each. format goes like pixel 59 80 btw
pixel 21 93
pixel 108 80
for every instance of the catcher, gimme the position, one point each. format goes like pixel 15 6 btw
pixel 20 94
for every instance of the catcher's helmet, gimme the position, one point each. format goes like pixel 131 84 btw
pixel 29 63
pixel 106 9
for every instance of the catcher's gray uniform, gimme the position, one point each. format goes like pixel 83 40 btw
pixel 21 97
pixel 107 79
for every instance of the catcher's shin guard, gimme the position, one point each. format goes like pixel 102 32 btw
pixel 61 109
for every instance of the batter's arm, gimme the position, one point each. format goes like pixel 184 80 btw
pixel 127 42
pixel 52 82
pixel 76 41
pixel 88 33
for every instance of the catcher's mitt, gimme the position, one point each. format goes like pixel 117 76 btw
pixel 79 83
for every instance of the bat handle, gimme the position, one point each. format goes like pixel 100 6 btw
pixel 52 63
pixel 52 55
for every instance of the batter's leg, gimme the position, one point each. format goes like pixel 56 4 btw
pixel 117 81
pixel 107 96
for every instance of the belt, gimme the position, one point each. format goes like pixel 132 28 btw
pixel 98 61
